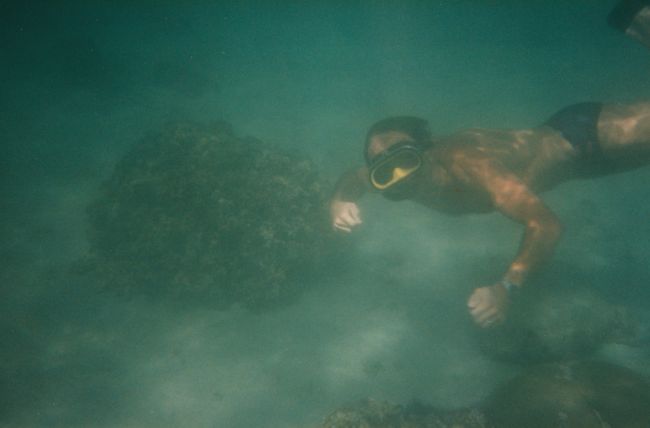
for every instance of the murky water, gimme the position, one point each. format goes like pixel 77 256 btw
pixel 81 82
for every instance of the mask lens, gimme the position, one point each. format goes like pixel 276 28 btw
pixel 395 168
pixel 407 159
pixel 383 174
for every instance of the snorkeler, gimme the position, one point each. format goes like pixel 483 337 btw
pixel 483 170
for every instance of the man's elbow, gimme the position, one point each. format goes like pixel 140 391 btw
pixel 549 228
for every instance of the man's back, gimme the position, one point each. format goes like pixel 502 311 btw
pixel 537 158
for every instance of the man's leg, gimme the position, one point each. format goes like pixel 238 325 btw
pixel 632 17
pixel 624 132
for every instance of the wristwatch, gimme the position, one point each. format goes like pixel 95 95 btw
pixel 511 288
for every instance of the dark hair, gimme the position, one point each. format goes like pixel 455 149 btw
pixel 414 127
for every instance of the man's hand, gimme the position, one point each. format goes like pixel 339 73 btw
pixel 344 215
pixel 488 305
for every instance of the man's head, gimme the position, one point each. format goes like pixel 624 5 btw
pixel 391 130
pixel 393 152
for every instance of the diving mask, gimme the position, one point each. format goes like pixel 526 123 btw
pixel 395 164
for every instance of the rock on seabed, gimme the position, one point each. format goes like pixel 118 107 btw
pixel 195 211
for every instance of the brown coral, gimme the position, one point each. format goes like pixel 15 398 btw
pixel 196 211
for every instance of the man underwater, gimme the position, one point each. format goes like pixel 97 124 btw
pixel 482 170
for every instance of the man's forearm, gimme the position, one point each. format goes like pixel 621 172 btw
pixel 351 186
pixel 538 243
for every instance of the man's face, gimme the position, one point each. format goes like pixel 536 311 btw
pixel 408 164
pixel 380 142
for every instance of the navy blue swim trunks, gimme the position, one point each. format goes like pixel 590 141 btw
pixel 578 124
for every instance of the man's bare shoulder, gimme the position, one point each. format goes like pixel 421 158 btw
pixel 465 137
pixel 495 149
pixel 461 148
pixel 475 142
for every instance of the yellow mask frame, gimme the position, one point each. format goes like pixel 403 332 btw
pixel 394 165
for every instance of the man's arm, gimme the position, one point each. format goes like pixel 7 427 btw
pixel 511 196
pixel 344 212
pixel 352 185
pixel 514 199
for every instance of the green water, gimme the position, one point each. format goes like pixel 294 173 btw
pixel 82 81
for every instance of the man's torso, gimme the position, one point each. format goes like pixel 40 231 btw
pixel 540 158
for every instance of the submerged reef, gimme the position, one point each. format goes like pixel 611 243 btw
pixel 574 394
pixel 195 211
pixel 381 414
pixel 571 394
